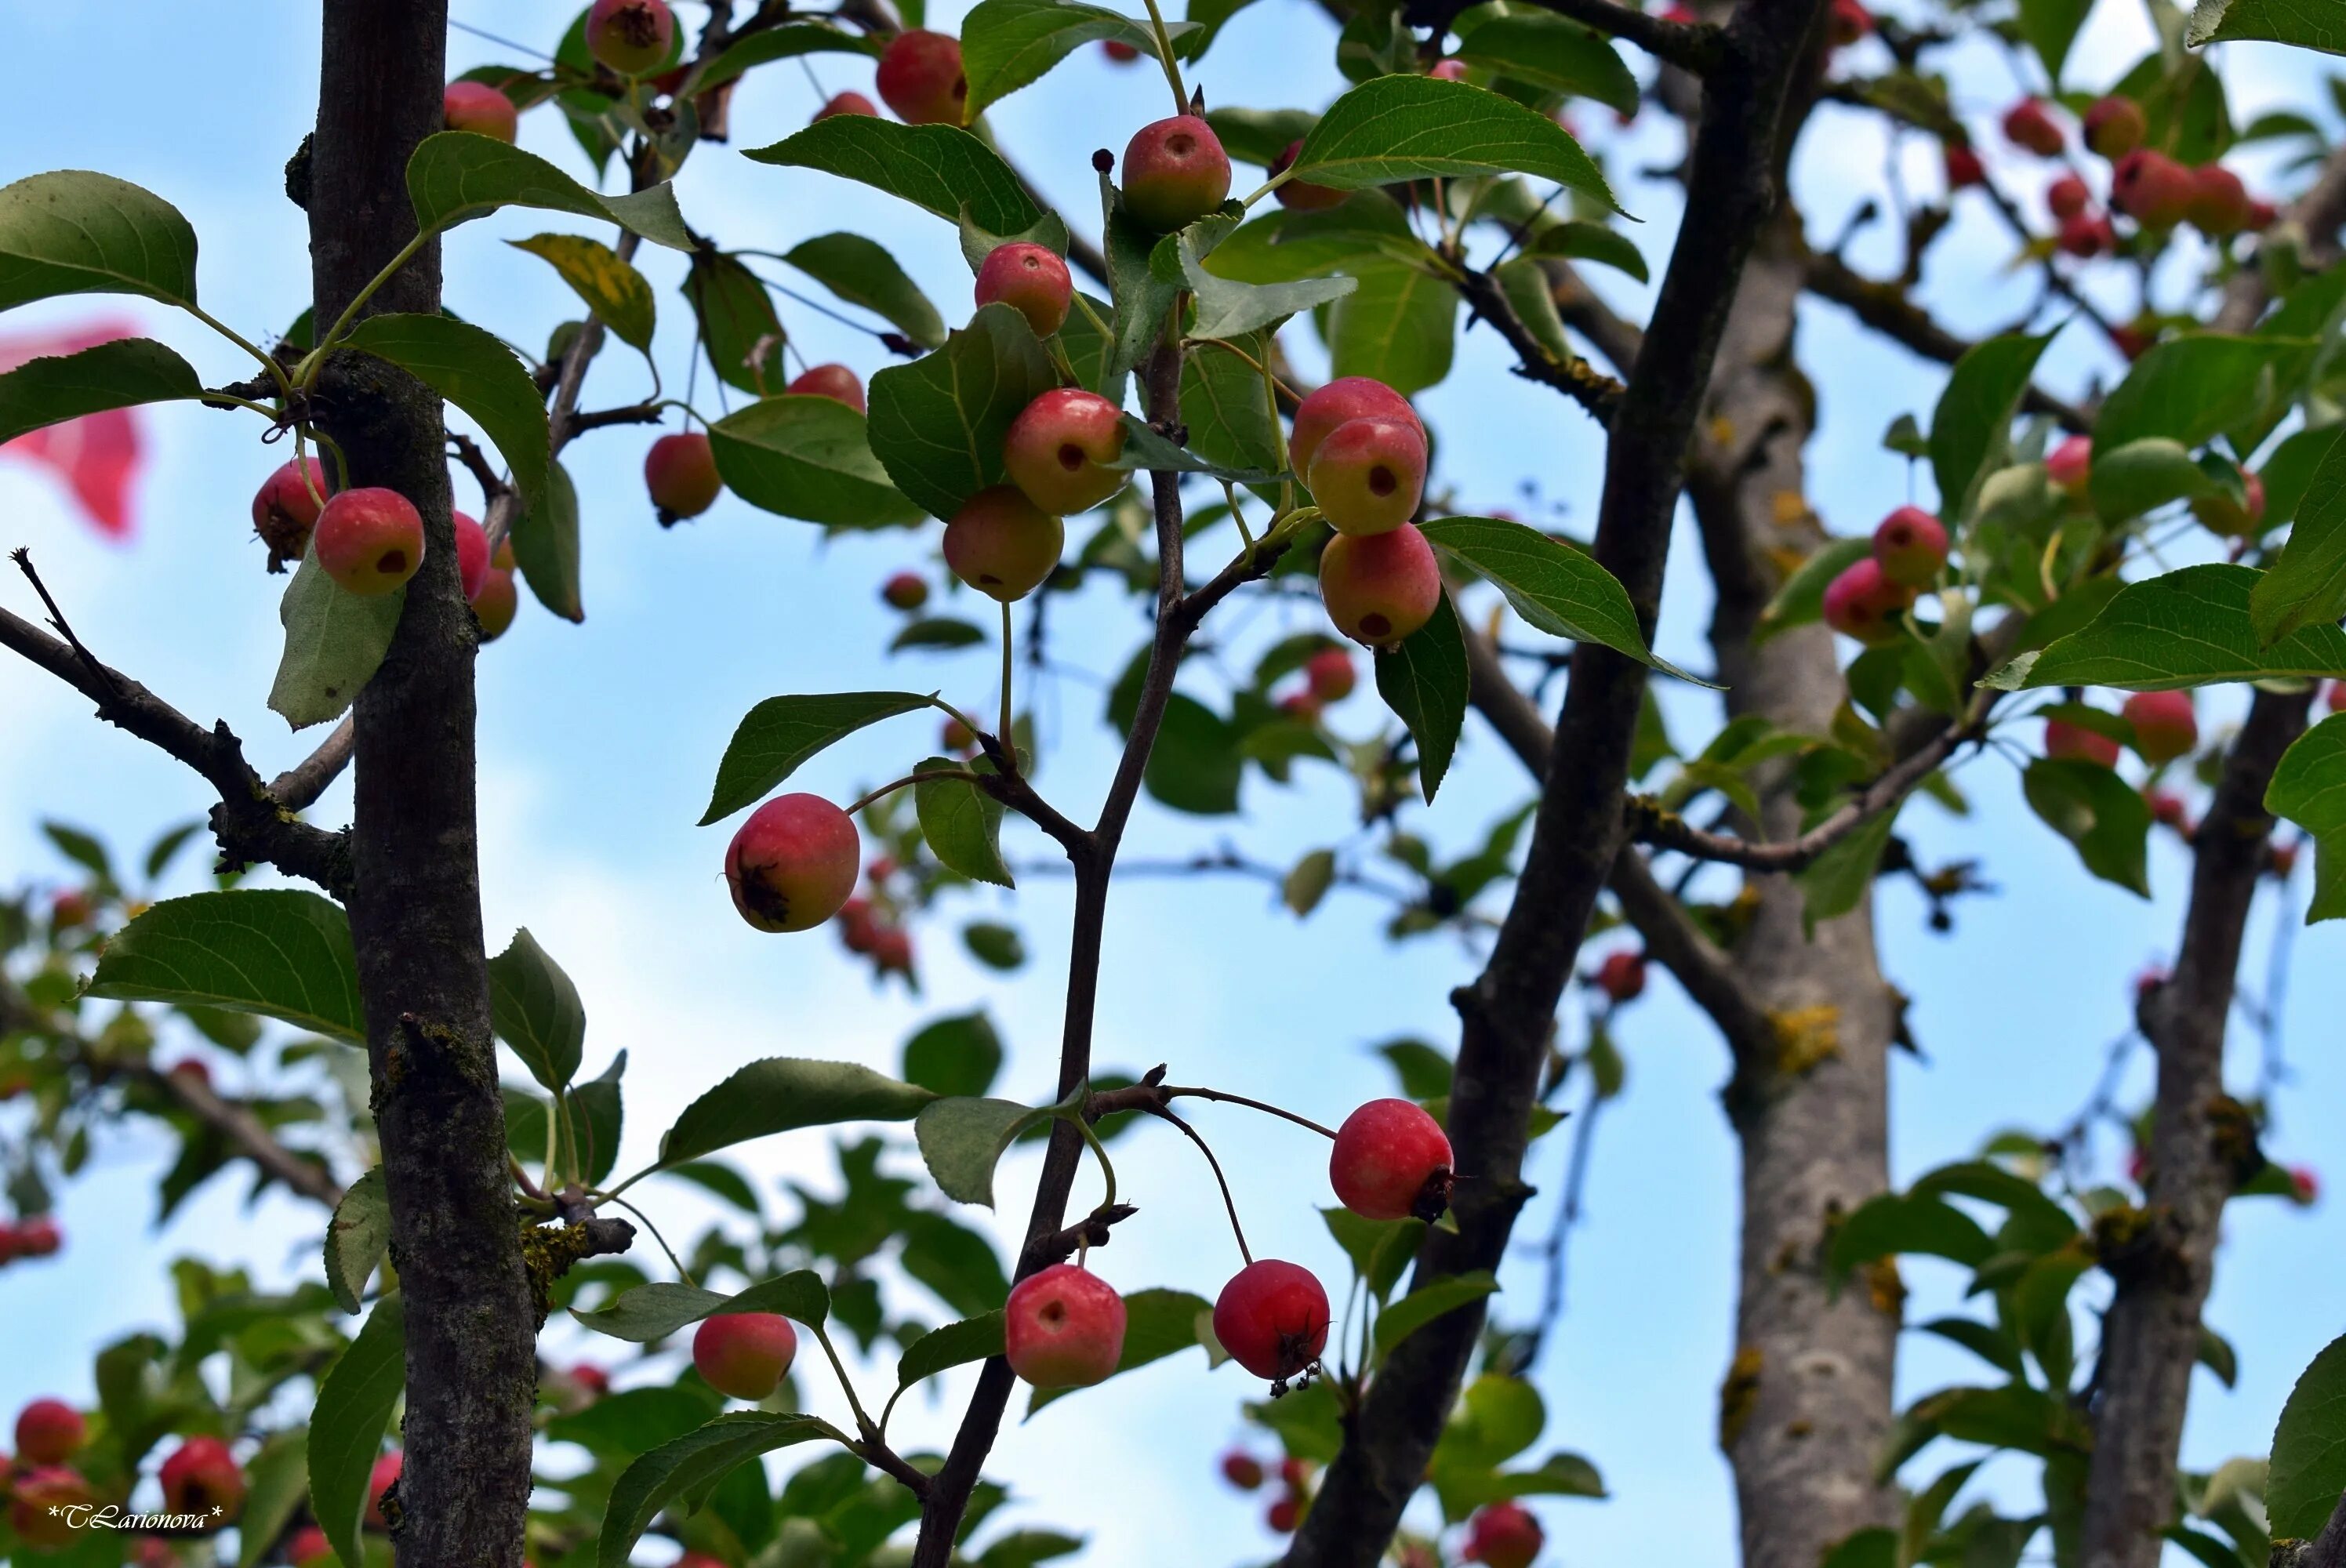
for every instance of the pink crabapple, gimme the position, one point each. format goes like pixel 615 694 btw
pixel 494 605
pixel 480 109
pixel 1621 976
pixel 2114 126
pixel 920 78
pixel 1847 22
pixel 2030 124
pixel 1368 474
pixel 471 553
pixel 847 104
pixel 2152 189
pixel 1031 280
pixel 906 591
pixel 793 863
pixel 1242 1469
pixel 1331 674
pixel 1864 604
pixel 2069 463
pixel 1449 70
pixel 1063 1328
pixel 2165 728
pixel 49 1431
pixel 202 1475
pixel 631 36
pixel 1337 402
pixel 1057 446
pixel 1175 171
pixel 1380 588
pixel 369 541
pixel 1963 166
pixel 2219 206
pixel 1272 1318
pixel 1119 52
pixel 1003 544
pixel 2233 519
pixel 1301 195
pixel 1911 546
pixel 2067 197
pixel 1503 1535
pixel 1392 1161
pixel 744 1355
pixel 2069 741
pixel 43 1508
pixel 680 473
pixel 835 381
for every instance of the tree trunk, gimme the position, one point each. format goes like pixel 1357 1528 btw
pixel 2202 1145
pixel 1806 1408
pixel 415 906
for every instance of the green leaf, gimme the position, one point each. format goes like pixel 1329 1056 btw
pixel 1801 600
pixel 2305 23
pixel 1142 295
pixel 1399 326
pixel 474 372
pixel 635 1421
pixel 1401 127
pixel 595 1115
pixel 1557 588
pixel 74 232
pixel 2308 583
pixel 781 732
pixel 722 1180
pixel 2050 27
pixel 353 1410
pixel 961 1054
pixel 1195 766
pixel 1026 1548
pixel 357 1239
pixel 940 169
pixel 652 1312
pixel 279 952
pixel 1558 1475
pixel 1579 240
pixel 334 642
pixel 861 272
pixel 955 1345
pixel 1890 1224
pixel 782 1094
pixel 120 374
pixel 545 545
pixel 962 822
pixel 2103 815
pixel 810 457
pixel 1158 1323
pixel 2144 476
pixel 1258 135
pixel 607 282
pixel 939 632
pixel 1836 882
pixel 2308 1448
pixel 693 1462
pixel 2309 788
pixel 537 1010
pixel 457 176
pixel 1524 284
pixel 1425 681
pixel 978 242
pixel 781 43
pixel 277 1480
pixel 84 850
pixel 962 1138
pixel 2190 389
pixel 2182 629
pixel 937 424
pixel 1424 1305
pixel 739 329
pixel 1973 417
pixel 1227 409
pixel 1007 43
pixel 1550 51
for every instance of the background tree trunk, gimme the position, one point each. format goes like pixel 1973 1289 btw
pixel 1806 1408
pixel 415 907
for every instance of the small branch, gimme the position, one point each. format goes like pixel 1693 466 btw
pixel 1693 46
pixel 1593 389
pixel 1092 1230
pixel 249 824
pixel 485 472
pixel 243 1130
pixel 634 413
pixel 1666 830
pixel 297 787
pixel 1228 1203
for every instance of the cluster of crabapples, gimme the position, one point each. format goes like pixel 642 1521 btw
pixel 369 541
pixel 1503 1534
pixel 201 1478
pixel 2154 190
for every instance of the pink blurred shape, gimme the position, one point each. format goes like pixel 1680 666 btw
pixel 97 455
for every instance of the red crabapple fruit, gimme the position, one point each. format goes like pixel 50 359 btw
pixel 2066 741
pixel 1063 1328
pixel 1379 587
pixel 680 471
pixel 1911 546
pixel 202 1475
pixel 1175 171
pixel 1001 543
pixel 631 36
pixel 1368 474
pixel 743 1354
pixel 920 78
pixel 1340 402
pixel 479 107
pixel 369 541
pixel 1503 1535
pixel 1031 280
pixel 49 1431
pixel 793 863
pixel 1056 447
pixel 1272 1318
pixel 2165 728
pixel 835 382
pixel 1391 1161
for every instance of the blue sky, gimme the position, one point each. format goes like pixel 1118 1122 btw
pixel 598 742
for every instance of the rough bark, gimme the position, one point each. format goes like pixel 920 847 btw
pixel 2202 1145
pixel 1507 1012
pixel 416 912
pixel 1806 1406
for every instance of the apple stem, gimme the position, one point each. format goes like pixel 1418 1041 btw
pixel 1229 1204
pixel 1165 58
